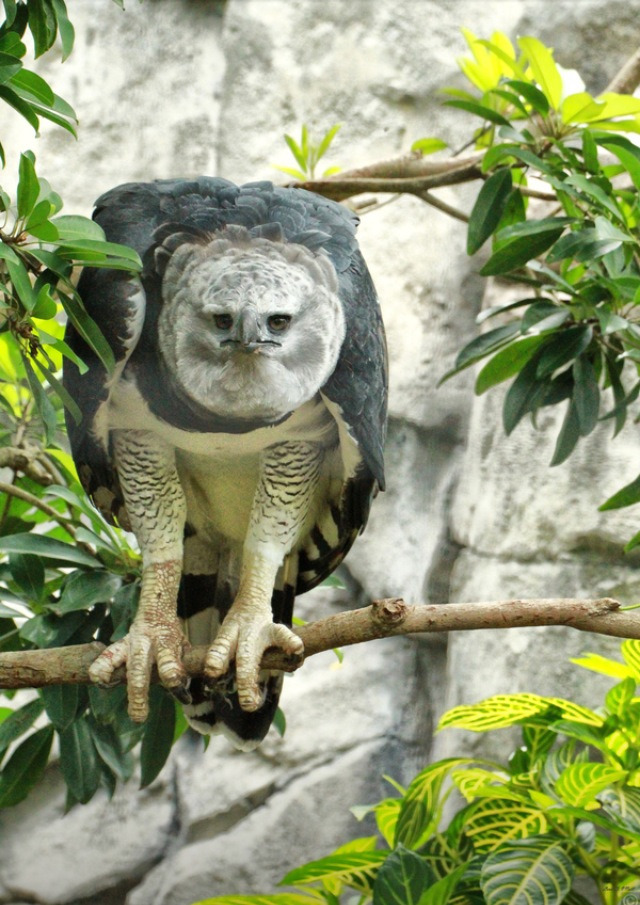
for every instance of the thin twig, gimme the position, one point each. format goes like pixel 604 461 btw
pixel 20 494
pixel 384 618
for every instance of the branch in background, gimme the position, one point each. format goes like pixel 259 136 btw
pixel 414 174
pixel 27 459
pixel 20 494
pixel 383 619
pixel 628 78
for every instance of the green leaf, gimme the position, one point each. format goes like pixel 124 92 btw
pixel 25 767
pixel 495 712
pixel 619 697
pixel 428 145
pixel 79 761
pixel 488 208
pixel 65 28
pixel 487 113
pixel 481 346
pixel 48 548
pixel 579 784
pixel 61 703
pixel 19 276
pixel 622 804
pixel 72 227
pixel 534 871
pixel 84 589
pixel 564 347
pixel 158 735
pixel 522 242
pixel 568 436
pixel 525 395
pixel 43 403
pixel 402 879
pixel 531 94
pixel 18 722
pixel 507 362
pixel 279 898
pixel 442 890
pixel 328 137
pixel 35 86
pixel 491 822
pixel 297 152
pixel 25 109
pixel 336 867
pixel 421 802
pixel 88 329
pixel 586 394
pixel 544 69
pixel 580 108
pixel 28 572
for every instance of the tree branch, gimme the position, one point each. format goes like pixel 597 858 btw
pixel 383 619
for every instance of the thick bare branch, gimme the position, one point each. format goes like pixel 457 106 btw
pixel 384 618
pixel 628 78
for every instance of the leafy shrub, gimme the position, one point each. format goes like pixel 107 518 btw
pixel 563 809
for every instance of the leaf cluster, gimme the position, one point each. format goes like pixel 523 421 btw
pixel 558 212
pixel 308 153
pixel 565 806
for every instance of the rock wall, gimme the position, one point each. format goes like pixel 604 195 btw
pixel 179 87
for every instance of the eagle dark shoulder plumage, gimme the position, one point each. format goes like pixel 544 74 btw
pixel 182 227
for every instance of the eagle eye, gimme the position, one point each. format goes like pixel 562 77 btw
pixel 223 321
pixel 278 323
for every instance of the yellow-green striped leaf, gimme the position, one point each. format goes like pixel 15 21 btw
pixel 527 872
pixel 579 784
pixel 495 713
pixel 496 821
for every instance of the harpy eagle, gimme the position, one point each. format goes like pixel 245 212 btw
pixel 241 434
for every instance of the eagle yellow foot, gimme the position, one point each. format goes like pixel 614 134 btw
pixel 155 638
pixel 246 633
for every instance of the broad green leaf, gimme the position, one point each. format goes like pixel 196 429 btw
pixel 619 697
pixel 158 734
pixel 337 867
pixel 544 69
pixel 493 822
pixel 428 145
pixel 530 93
pixel 605 666
pixel 65 28
pixel 79 761
pixel 61 703
pixel 84 589
pixel 507 362
pixel 495 712
pixel 586 394
pixel 386 814
pixel 628 155
pixel 109 749
pixel 525 395
pixel 474 780
pixel 117 257
pixel 567 345
pixel 626 496
pixel 528 872
pixel 42 26
pixel 72 227
pixel 28 186
pixel 420 804
pixel 582 245
pixel 577 712
pixel 297 152
pixel 25 109
pixel 25 767
pixel 622 804
pixel 580 108
pixel 630 649
pixel 443 889
pixel 488 208
pixel 43 404
pixel 278 898
pixel 568 436
pixel 579 784
pixel 486 113
pixel 481 346
pixel 48 548
pixel 15 725
pixel 27 571
pixel 402 879
pixel 523 242
pixel 34 85
pixel 21 283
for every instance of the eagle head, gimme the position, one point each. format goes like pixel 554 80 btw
pixel 249 327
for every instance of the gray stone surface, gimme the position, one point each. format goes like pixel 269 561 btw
pixel 179 87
